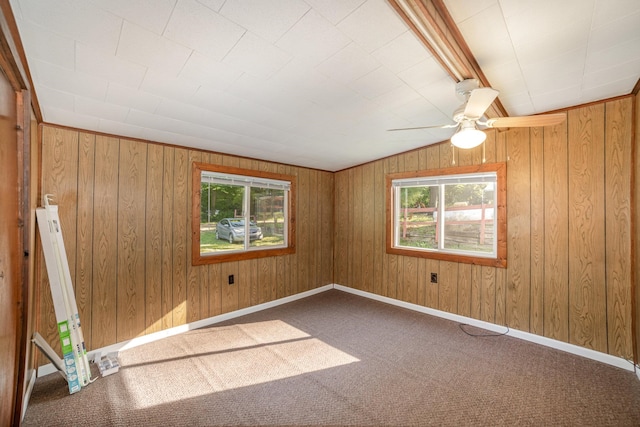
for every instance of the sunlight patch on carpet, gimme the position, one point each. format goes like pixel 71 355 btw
pixel 220 359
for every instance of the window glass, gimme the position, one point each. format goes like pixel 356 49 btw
pixel 241 212
pixel 453 214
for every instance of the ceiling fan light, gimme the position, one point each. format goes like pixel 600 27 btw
pixel 468 138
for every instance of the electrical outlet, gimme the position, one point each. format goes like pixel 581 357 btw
pixel 434 277
pixel 231 279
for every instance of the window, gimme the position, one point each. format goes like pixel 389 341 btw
pixel 241 214
pixel 455 214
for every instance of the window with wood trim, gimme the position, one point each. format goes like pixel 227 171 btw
pixel 241 214
pixel 454 214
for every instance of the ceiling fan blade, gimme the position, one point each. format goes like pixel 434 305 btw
pixel 453 125
pixel 527 121
pixel 479 102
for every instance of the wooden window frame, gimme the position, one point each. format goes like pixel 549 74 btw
pixel 197 258
pixel 500 260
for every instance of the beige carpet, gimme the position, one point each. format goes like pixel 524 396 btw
pixel 339 359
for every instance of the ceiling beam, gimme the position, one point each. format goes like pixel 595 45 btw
pixel 431 22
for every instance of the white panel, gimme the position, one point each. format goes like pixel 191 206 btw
pixel 168 86
pixel 461 10
pixel 349 64
pixel 313 39
pixel 223 122
pixel 618 31
pixel 48 96
pixel 47 46
pixel 214 5
pixel 387 25
pixel 607 11
pixel 77 20
pixel 202 70
pixel 120 128
pixel 402 52
pixel 442 94
pixel 376 83
pixel 610 89
pixel 268 19
pixel 621 71
pixel 91 107
pixel 150 14
pixel 528 21
pixel 335 10
pixel 401 95
pixel 424 73
pixel 62 79
pixel 557 99
pixel 225 103
pixel 255 56
pixel 149 49
pixel 568 71
pixel 128 97
pixel 198 27
pixel 421 112
pixel 490 44
pixel 275 98
pixel 108 67
pixel 70 118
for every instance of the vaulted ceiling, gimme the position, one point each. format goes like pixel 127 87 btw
pixel 313 83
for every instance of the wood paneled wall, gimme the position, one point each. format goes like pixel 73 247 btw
pixel 125 212
pixel 636 230
pixel 569 232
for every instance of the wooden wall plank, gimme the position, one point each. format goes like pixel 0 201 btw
pixel 432 294
pixel 464 290
pixel 60 161
pixel 635 257
pixel 132 185
pixel 355 242
pixel 265 280
pixel 84 243
pixel 105 244
pixel 341 227
pixel 368 225
pixel 448 287
pixel 203 271
pixel 556 223
pixel 327 225
pixel 618 155
pixel 501 273
pixel 193 272
pixel 314 236
pixel 215 289
pixel 304 231
pixel 519 225
pixel 153 240
pixel 390 263
pixel 537 232
pixel 181 200
pixel 378 227
pixel 244 284
pixel 230 300
pixel 488 295
pixel 587 292
pixel 166 301
pixel 409 284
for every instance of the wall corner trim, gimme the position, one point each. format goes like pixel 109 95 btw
pixel 145 339
pixel 548 342
pixel 527 336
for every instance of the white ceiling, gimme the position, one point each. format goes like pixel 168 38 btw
pixel 312 83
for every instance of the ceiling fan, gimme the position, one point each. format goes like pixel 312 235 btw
pixel 468 116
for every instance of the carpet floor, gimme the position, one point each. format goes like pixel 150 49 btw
pixel 339 359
